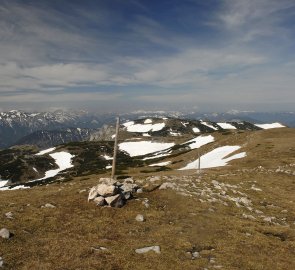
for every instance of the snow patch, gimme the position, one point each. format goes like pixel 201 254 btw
pixel 269 126
pixel 216 158
pixel 143 147
pixel 208 125
pixel 43 152
pixel 63 160
pixel 200 141
pixel 196 130
pixel 148 121
pixel 165 163
pixel 127 124
pixel 226 126
pixel 144 128
pixel 106 157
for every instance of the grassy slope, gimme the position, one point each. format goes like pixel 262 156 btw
pixel 62 238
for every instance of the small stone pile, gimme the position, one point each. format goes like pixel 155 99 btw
pixel 112 193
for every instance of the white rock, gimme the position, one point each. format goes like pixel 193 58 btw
pixel 9 215
pixel 115 201
pixel 1 262
pixel 49 205
pixel 100 201
pixel 4 233
pixel 156 249
pixel 140 218
pixel 127 187
pixel 139 190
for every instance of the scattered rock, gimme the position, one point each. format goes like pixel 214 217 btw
pixel 99 248
pixel 82 190
pixel 9 215
pixel 156 249
pixel 4 233
pixel 92 193
pixel 1 262
pixel 100 201
pixel 48 205
pixel 139 190
pixel 140 218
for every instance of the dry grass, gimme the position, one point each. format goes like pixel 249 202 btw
pixel 63 237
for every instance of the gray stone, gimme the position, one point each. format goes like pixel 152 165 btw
pixel 4 233
pixel 127 195
pixel 156 249
pixel 115 201
pixel 140 218
pixel 126 187
pixel 100 201
pixel 139 190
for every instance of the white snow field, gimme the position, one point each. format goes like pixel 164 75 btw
pixel 148 121
pixel 161 164
pixel 143 147
pixel 143 128
pixel 63 160
pixel 216 158
pixel 200 141
pixel 226 126
pixel 196 130
pixel 269 126
pixel 43 152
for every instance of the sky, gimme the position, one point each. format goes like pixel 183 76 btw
pixel 124 55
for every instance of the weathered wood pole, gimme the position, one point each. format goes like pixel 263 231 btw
pixel 115 148
pixel 199 163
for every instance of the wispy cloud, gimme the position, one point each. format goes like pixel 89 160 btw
pixel 237 50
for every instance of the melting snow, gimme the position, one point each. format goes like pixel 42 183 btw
pixel 269 126
pixel 45 151
pixel 35 169
pixel 216 158
pixel 63 160
pixel 161 164
pixel 200 141
pixel 14 188
pixel 226 126
pixel 143 147
pixel 196 130
pixel 145 127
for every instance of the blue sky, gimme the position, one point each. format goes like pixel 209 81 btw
pixel 120 55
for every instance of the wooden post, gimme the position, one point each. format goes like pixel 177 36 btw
pixel 199 163
pixel 115 149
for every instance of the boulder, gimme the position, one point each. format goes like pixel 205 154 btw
pixel 100 201
pixel 115 201
pixel 107 181
pixel 4 233
pixel 156 249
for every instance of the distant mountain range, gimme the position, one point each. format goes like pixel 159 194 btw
pixel 46 129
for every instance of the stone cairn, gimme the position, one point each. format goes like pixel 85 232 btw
pixel 112 193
